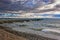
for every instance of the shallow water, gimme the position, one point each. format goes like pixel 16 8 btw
pixel 42 27
pixel 46 23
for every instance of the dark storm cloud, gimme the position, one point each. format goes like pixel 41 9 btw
pixel 17 5
pixel 5 1
pixel 4 4
pixel 8 5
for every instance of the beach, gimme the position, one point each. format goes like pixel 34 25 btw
pixel 4 35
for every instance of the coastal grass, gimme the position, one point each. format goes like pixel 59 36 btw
pixel 9 21
pixel 23 25
pixel 17 20
pixel 37 29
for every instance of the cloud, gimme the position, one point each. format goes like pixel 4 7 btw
pixel 4 4
pixel 33 14
pixel 11 5
pixel 17 4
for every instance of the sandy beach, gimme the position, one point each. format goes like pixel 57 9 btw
pixel 4 35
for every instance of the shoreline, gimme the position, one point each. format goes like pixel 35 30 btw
pixel 26 35
pixel 5 35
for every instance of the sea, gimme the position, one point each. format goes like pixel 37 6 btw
pixel 48 27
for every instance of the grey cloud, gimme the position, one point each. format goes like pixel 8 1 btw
pixel 8 5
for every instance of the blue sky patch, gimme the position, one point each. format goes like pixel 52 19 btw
pixel 57 15
pixel 46 1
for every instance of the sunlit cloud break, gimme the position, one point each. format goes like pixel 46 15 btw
pixel 28 15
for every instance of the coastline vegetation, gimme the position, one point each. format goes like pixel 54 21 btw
pixel 37 29
pixel 17 20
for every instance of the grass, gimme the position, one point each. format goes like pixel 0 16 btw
pixel 16 20
pixel 40 29
pixel 9 21
pixel 23 25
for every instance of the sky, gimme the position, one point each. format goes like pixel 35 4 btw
pixel 9 5
pixel 50 15
pixel 43 15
